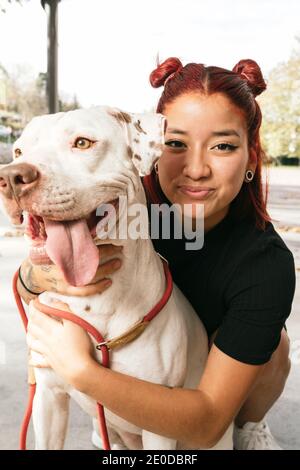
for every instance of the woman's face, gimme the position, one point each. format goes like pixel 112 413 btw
pixel 205 155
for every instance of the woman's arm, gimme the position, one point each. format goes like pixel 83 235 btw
pixel 28 278
pixel 39 278
pixel 199 417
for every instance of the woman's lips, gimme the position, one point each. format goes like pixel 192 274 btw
pixel 196 192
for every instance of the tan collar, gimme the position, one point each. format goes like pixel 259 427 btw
pixel 134 332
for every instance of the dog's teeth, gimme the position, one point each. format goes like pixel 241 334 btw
pixel 39 250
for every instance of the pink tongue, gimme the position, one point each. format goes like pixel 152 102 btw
pixel 70 246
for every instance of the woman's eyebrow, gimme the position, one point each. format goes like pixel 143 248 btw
pixel 176 131
pixel 225 132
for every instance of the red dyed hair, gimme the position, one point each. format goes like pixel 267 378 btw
pixel 240 86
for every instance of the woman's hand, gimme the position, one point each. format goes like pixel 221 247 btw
pixel 50 277
pixel 63 345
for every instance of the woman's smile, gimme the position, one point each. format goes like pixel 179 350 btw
pixel 196 192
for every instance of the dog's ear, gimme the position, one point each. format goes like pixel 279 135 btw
pixel 145 133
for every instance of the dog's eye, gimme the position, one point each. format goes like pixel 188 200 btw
pixel 82 143
pixel 18 153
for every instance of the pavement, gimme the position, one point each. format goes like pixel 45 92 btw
pixel 284 208
pixel 5 153
pixel 283 418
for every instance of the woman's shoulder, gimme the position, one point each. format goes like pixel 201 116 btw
pixel 257 241
pixel 270 242
pixel 262 255
pixel 263 278
pixel 258 255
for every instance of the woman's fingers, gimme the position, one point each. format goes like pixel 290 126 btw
pixel 51 278
pixel 109 250
pixel 107 268
pixel 36 359
pixel 40 363
pixel 34 344
pixel 101 280
pixel 91 289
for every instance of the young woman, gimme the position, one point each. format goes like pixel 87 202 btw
pixel 241 283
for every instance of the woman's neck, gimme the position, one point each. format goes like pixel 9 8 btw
pixel 214 219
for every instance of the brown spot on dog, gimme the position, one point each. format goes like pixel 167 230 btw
pixel 137 157
pixel 126 116
pixel 129 151
pixel 120 116
pixel 155 145
pixel 138 127
pixel 87 308
pixel 136 141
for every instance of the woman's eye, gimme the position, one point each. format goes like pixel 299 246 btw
pixel 225 147
pixel 82 143
pixel 175 144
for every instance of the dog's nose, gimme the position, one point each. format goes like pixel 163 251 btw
pixel 17 180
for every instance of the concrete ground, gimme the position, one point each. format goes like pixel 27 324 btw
pixel 284 418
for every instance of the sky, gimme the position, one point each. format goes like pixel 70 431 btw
pixel 107 49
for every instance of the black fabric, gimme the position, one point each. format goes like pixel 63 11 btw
pixel 241 283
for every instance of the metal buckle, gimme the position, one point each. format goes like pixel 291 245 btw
pixel 100 345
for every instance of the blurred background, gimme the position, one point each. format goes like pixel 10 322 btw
pixel 57 55
pixel 107 49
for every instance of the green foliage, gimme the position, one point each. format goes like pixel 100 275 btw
pixel 280 106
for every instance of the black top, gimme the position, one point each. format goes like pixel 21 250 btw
pixel 241 283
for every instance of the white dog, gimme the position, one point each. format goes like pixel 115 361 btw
pixel 66 165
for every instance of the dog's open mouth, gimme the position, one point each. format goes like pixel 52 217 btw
pixel 69 244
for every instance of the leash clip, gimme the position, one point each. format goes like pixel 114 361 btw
pixel 99 346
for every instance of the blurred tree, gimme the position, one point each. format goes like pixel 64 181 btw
pixel 51 9
pixel 68 104
pixel 26 94
pixel 281 108
pixel 5 3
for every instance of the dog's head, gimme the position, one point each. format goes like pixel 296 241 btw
pixel 67 165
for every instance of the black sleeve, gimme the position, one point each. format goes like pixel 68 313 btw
pixel 258 301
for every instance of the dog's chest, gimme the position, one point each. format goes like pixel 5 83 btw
pixel 108 317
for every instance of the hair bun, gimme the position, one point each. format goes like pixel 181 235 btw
pixel 164 70
pixel 250 71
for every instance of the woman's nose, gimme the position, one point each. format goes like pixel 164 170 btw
pixel 197 165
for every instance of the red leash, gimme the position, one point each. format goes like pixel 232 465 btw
pixel 96 335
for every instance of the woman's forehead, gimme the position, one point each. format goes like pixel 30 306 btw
pixel 209 111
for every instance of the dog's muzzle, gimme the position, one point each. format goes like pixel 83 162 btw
pixel 17 180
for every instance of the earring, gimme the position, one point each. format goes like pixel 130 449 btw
pixel 249 176
pixel 156 167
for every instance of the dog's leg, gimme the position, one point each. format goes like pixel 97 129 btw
pixel 115 440
pixel 50 417
pixel 155 442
